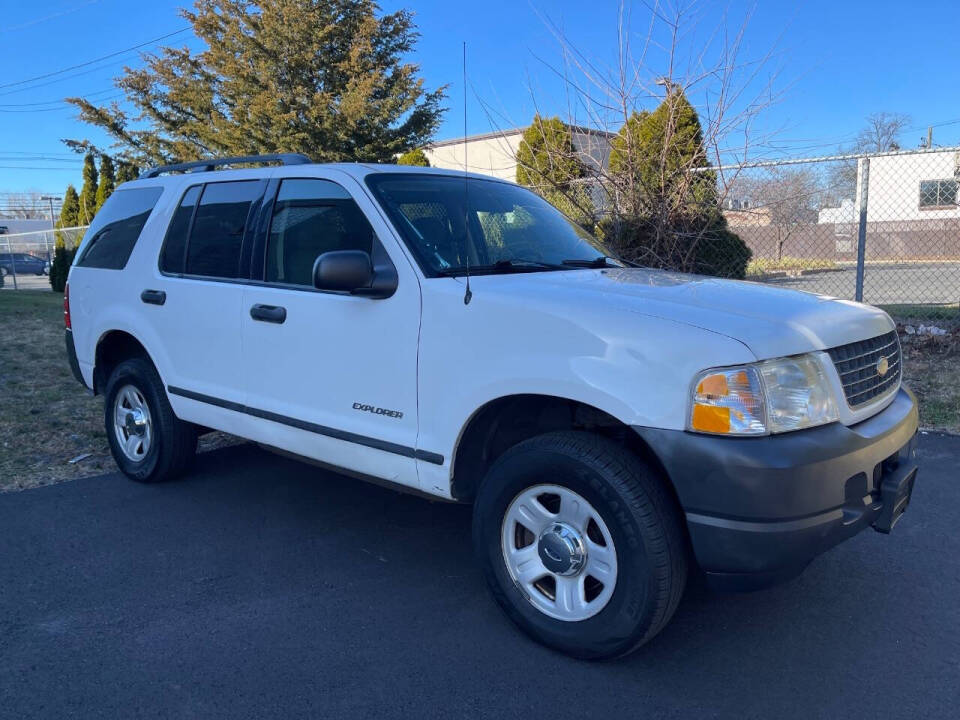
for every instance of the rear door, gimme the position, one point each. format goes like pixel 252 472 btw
pixel 332 376
pixel 195 300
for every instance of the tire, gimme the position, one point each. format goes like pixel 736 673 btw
pixel 172 443
pixel 636 512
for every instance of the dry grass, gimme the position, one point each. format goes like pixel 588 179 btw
pixel 46 417
pixel 931 369
pixel 787 264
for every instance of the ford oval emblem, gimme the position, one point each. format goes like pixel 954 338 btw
pixel 882 366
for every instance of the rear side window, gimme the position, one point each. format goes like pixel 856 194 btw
pixel 175 246
pixel 312 217
pixel 117 226
pixel 216 238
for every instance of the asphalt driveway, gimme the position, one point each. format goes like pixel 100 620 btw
pixel 259 587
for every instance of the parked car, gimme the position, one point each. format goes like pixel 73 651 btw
pixel 615 428
pixel 23 263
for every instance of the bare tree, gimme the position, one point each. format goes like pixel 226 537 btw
pixel 660 203
pixel 881 132
pixel 787 199
pixel 23 206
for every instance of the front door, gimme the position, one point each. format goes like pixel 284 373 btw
pixel 331 376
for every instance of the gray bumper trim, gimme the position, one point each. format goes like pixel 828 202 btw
pixel 771 504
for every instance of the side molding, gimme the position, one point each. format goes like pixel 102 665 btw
pixel 375 443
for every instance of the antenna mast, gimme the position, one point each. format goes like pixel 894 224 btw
pixel 468 295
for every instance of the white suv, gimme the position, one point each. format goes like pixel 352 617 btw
pixel 614 427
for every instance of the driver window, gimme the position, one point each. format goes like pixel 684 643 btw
pixel 311 217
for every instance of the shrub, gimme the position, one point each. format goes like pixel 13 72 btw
pixel 712 251
pixel 667 213
pixel 66 243
pixel 60 267
pixel 549 164
pixel 415 157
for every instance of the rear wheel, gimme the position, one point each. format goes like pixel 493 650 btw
pixel 148 442
pixel 581 544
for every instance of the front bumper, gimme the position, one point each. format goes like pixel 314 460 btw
pixel 760 509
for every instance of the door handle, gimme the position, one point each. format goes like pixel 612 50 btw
pixel 153 297
pixel 269 313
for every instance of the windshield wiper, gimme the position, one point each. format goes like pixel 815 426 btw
pixel 597 262
pixel 511 263
pixel 506 265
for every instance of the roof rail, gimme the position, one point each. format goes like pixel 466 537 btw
pixel 205 165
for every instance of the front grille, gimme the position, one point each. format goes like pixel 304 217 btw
pixel 857 365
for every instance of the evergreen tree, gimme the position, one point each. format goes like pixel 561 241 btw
pixel 624 157
pixel 88 191
pixel 69 216
pixel 548 163
pixel 626 143
pixel 323 77
pixel 126 172
pixel 65 245
pixel 107 181
pixel 416 157
pixel 670 209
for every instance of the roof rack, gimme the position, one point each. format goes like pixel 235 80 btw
pixel 206 165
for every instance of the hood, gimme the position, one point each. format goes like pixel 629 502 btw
pixel 771 321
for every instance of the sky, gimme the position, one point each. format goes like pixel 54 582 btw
pixel 829 65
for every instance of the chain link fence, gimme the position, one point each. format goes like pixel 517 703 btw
pixel 25 258
pixel 881 228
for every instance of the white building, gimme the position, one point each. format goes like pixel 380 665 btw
pixel 495 153
pixel 904 187
pixel 913 186
pixel 846 213
pixel 913 208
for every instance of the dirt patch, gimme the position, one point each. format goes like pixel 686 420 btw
pixel 47 419
pixel 931 368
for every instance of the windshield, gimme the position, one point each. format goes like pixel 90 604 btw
pixel 504 227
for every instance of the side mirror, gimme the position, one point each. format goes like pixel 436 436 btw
pixel 352 271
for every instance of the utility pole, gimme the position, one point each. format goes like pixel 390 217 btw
pixel 53 224
pixel 929 136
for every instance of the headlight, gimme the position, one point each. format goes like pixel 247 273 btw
pixel 768 397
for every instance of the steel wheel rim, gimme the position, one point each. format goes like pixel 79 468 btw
pixel 553 524
pixel 132 423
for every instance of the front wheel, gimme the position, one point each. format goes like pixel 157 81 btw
pixel 148 442
pixel 581 544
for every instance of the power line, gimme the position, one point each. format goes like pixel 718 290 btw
pixel 31 23
pixel 43 157
pixel 35 152
pixel 63 106
pixel 96 60
pixel 59 100
pixel 56 80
